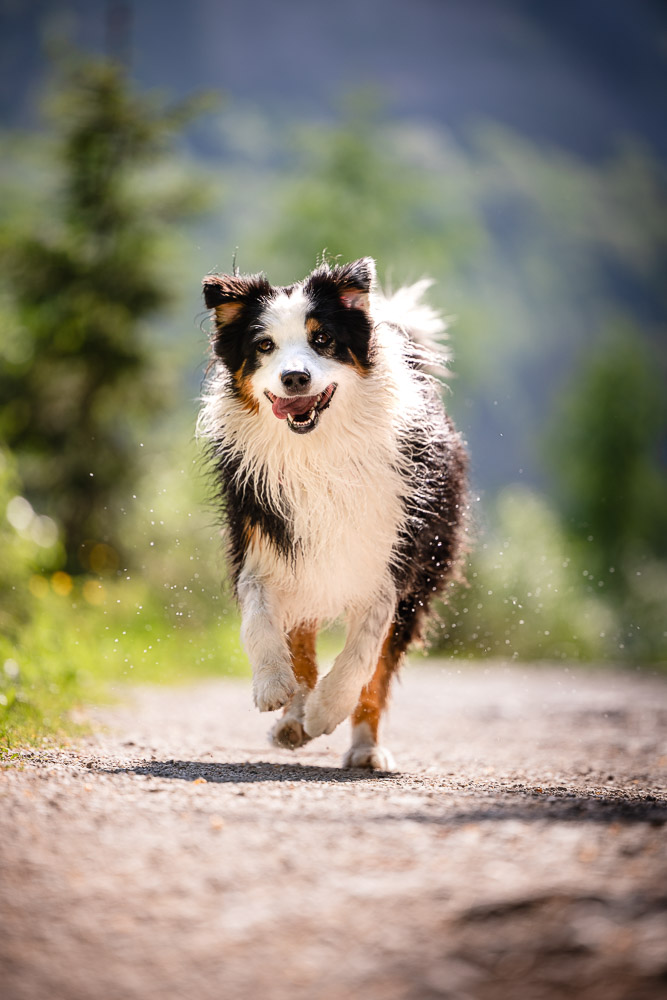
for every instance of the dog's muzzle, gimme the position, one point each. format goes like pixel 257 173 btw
pixel 302 413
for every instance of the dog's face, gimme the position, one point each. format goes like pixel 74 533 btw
pixel 290 350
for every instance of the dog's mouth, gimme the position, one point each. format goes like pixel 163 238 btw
pixel 301 412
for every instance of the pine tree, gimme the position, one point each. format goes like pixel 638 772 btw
pixel 82 285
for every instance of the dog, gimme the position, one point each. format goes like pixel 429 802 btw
pixel 343 484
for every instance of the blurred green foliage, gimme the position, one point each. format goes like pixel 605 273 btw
pixel 526 245
pixel 607 441
pixel 28 542
pixel 534 594
pixel 526 596
pixel 85 638
pixel 348 187
pixel 76 378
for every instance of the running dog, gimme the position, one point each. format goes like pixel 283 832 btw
pixel 343 484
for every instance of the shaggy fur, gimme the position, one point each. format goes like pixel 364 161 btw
pixel 343 485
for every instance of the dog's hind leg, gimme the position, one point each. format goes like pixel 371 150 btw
pixel 288 731
pixel 365 750
pixel 407 627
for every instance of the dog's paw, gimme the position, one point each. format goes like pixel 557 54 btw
pixel 327 707
pixel 273 688
pixel 288 733
pixel 372 757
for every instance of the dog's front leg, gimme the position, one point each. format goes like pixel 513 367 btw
pixel 266 645
pixel 337 694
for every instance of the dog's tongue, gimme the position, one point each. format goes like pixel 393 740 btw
pixel 295 405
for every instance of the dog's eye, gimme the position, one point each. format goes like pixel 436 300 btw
pixel 322 339
pixel 265 346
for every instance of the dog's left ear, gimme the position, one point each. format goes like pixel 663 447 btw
pixel 354 282
pixel 228 294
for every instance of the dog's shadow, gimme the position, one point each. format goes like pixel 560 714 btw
pixel 508 804
pixel 245 772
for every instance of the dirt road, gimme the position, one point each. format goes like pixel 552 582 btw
pixel 520 853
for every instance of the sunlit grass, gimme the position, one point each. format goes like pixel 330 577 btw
pixel 86 637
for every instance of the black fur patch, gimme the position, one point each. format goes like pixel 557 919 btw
pixel 430 549
pixel 239 302
pixel 350 328
pixel 246 514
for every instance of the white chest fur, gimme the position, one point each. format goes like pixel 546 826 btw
pixel 344 522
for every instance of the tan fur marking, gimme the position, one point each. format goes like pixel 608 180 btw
pixel 373 697
pixel 302 647
pixel 248 401
pixel 358 367
pixel 312 325
pixel 250 534
pixel 226 312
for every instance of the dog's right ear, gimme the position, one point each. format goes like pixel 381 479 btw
pixel 229 294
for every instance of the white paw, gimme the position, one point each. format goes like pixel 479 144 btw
pixel 273 688
pixel 288 733
pixel 328 706
pixel 374 757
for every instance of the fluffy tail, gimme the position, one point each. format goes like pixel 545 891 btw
pixel 423 327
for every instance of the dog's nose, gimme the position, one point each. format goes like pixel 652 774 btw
pixel 295 381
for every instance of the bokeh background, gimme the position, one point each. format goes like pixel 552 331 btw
pixel 515 152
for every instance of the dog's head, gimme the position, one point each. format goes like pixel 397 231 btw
pixel 291 349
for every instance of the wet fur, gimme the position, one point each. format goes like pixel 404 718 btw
pixel 364 516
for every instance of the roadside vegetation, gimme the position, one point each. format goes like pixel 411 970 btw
pixel 86 638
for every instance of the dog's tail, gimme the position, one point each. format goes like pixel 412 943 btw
pixel 424 328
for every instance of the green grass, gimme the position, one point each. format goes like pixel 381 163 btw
pixel 85 639
pixel 78 647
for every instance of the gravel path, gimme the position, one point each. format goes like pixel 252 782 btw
pixel 519 855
